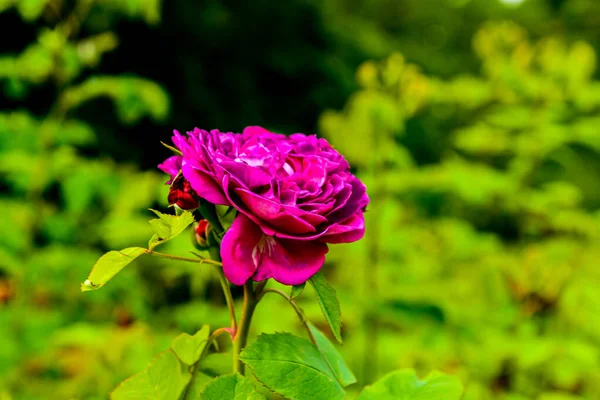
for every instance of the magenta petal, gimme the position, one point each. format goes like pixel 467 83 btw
pixel 251 177
pixel 171 166
pixel 239 250
pixel 347 231
pixel 290 262
pixel 204 185
pixel 357 201
pixel 250 131
pixel 274 213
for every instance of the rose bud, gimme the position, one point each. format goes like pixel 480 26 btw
pixel 182 194
pixel 202 233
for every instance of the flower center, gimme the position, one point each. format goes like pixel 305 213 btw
pixel 265 244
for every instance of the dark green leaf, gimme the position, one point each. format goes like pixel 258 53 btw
pixel 405 385
pixel 333 357
pixel 109 265
pixel 292 367
pixel 329 304
pixel 297 290
pixel 231 387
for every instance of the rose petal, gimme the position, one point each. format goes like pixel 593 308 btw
pixel 171 166
pixel 250 131
pixel 350 230
pixel 357 201
pixel 238 250
pixel 290 262
pixel 204 185
pixel 273 213
pixel 251 177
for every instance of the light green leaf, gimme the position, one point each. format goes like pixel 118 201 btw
pixel 333 357
pixel 164 378
pixel 168 226
pixel 197 385
pixel 109 265
pixel 292 367
pixel 405 385
pixel 330 306
pixel 297 290
pixel 216 364
pixel 189 348
pixel 231 387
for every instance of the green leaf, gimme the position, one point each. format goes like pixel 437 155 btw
pixel 168 226
pixel 292 367
pixel 216 364
pixel 189 348
pixel 164 378
pixel 405 385
pixel 196 386
pixel 333 357
pixel 231 387
pixel 330 306
pixel 297 290
pixel 109 265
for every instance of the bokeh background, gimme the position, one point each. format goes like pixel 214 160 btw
pixel 474 123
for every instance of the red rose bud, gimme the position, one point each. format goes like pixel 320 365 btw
pixel 183 195
pixel 202 232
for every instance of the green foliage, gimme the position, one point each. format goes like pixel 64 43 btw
pixel 292 367
pixel 480 257
pixel 405 385
pixel 483 224
pixel 231 387
pixel 328 301
pixel 65 202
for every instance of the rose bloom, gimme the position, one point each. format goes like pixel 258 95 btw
pixel 294 195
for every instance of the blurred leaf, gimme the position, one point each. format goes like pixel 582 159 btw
pixel 134 97
pixel 406 385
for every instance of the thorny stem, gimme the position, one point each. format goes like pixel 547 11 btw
pixel 241 336
pixel 178 258
pixel 298 310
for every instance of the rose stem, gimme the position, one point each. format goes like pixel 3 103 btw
pixel 228 298
pixel 241 336
pixel 296 308
pixel 177 258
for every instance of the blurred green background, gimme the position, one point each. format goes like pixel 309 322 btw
pixel 474 123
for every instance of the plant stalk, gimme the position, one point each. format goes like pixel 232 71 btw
pixel 241 336
pixel 297 308
pixel 177 258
